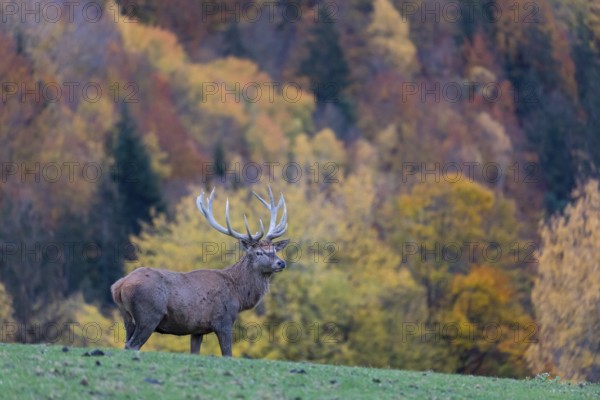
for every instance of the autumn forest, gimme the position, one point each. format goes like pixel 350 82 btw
pixel 439 161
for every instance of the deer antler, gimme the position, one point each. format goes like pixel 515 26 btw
pixel 275 229
pixel 206 210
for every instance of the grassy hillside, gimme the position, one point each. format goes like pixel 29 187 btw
pixel 53 372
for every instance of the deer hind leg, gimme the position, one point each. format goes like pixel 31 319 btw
pixel 147 310
pixel 145 319
pixel 129 324
pixel 142 331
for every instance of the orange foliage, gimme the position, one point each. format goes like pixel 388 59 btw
pixel 161 118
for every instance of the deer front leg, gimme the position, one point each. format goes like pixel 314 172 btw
pixel 195 343
pixel 225 337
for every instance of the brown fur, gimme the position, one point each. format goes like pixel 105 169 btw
pixel 197 302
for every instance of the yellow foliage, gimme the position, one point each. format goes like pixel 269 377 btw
pixel 74 137
pixel 444 211
pixel 268 113
pixel 388 333
pixel 6 306
pixel 389 35
pixel 81 324
pixel 160 46
pixel 94 329
pixel 452 225
pixel 566 295
pixel 487 323
pixel 266 140
pixel 441 228
pixel 158 158
pixel 322 157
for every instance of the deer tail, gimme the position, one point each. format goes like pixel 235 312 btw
pixel 116 291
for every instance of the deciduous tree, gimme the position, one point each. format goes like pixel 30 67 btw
pixel 566 295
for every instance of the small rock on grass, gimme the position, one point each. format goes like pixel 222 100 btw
pixel 298 371
pixel 94 353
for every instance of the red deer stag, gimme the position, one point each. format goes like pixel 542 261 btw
pixel 202 301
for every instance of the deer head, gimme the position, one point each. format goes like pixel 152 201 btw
pixel 261 254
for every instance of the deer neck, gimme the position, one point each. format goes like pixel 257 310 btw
pixel 249 284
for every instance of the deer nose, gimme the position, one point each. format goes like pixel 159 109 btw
pixel 281 264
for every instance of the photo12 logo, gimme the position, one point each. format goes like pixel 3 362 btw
pixel 253 172
pixel 67 172
pixel 53 12
pixel 491 332
pixel 470 252
pixel 54 92
pixel 273 11
pixel 468 91
pixel 316 252
pixel 471 171
pixel 94 332
pixel 250 92
pixel 66 252
pixel 268 91
pixel 470 11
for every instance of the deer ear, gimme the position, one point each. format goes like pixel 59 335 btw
pixel 281 244
pixel 246 244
